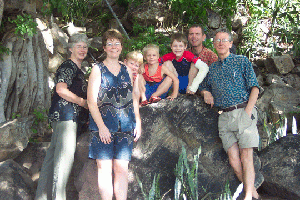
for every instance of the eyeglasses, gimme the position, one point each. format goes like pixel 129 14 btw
pixel 109 44
pixel 221 40
pixel 81 47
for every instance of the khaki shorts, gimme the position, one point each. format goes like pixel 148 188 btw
pixel 237 126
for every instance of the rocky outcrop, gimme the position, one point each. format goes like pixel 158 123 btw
pixel 15 182
pixel 281 64
pixel 281 167
pixel 14 136
pixel 166 127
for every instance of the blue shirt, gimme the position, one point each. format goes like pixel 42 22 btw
pixel 115 101
pixel 61 109
pixel 230 81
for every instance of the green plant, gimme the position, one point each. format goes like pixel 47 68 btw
pixel 280 19
pixel 25 24
pixel 186 183
pixel 276 129
pixel 76 11
pixel 40 116
pixel 15 115
pixel 4 50
pixel 154 193
pixel 146 35
pixel 195 11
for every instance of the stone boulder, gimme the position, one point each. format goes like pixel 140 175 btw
pixel 281 167
pixel 15 182
pixel 167 126
pixel 279 100
pixel 14 136
pixel 281 64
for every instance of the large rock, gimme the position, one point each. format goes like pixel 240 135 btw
pixel 281 167
pixel 14 136
pixel 166 127
pixel 15 182
pixel 279 101
pixel 282 64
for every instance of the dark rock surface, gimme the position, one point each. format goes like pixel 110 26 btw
pixel 167 126
pixel 281 167
pixel 15 182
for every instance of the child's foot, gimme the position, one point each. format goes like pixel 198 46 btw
pixel 144 103
pixel 154 99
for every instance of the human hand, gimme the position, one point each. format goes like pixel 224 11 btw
pixel 248 111
pixel 137 132
pixel 188 91
pixel 105 135
pixel 141 69
pixel 208 98
pixel 83 103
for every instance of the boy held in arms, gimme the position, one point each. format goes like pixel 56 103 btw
pixel 132 61
pixel 185 64
pixel 154 73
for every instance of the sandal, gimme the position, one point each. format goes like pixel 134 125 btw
pixel 144 103
pixel 154 99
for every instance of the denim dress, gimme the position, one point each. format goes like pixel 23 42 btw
pixel 115 105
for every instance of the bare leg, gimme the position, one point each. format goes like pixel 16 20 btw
pixel 166 84
pixel 120 178
pixel 243 169
pixel 105 179
pixel 248 172
pixel 142 88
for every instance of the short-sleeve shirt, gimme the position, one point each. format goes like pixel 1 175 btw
pixel 115 101
pixel 206 55
pixel 230 81
pixel 61 109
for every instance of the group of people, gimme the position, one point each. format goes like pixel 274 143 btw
pixel 116 90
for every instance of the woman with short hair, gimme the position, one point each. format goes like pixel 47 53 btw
pixel 115 120
pixel 68 104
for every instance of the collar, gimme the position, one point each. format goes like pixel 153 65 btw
pixel 225 59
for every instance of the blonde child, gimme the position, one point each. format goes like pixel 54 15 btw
pixel 153 75
pixel 132 61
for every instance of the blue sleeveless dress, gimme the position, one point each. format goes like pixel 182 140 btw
pixel 115 105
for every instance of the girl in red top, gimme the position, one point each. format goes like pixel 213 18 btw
pixel 153 75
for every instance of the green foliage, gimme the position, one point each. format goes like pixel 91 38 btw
pixel 144 36
pixel 195 11
pixel 186 183
pixel 281 19
pixel 154 193
pixel 76 11
pixel 15 115
pixel 3 50
pixel 276 129
pixel 40 117
pixel 25 24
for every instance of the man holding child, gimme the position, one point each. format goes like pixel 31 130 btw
pixel 232 86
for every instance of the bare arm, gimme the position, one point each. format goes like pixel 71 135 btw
pixel 63 91
pixel 192 74
pixel 135 98
pixel 252 100
pixel 165 70
pixel 92 94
